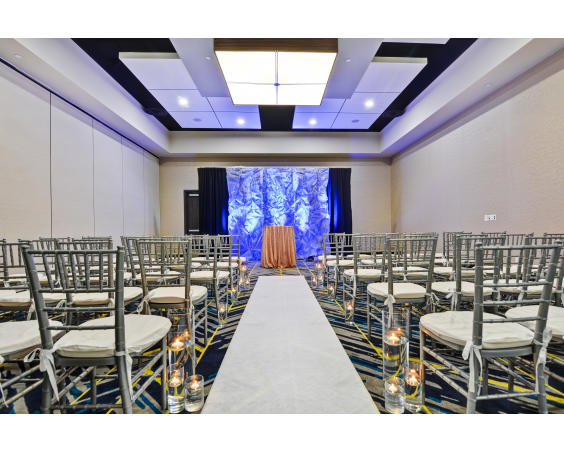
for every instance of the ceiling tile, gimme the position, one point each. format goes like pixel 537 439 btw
pixel 327 106
pixel 387 75
pixel 368 102
pixel 181 100
pixel 235 120
pixel 354 121
pixel 313 120
pixel 159 73
pixel 196 119
pixel 226 104
pixel 418 40
pixel 300 94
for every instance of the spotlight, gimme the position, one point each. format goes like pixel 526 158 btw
pixel 312 121
pixel 369 103
pixel 182 101
pixel 240 121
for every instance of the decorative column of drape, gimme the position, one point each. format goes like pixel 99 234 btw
pixel 214 195
pixel 295 197
pixel 339 194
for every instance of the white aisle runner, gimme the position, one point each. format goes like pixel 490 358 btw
pixel 285 358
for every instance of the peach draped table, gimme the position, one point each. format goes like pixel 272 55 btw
pixel 278 247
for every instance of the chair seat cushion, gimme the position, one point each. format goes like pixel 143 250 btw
pixel 364 273
pixel 175 294
pixel 21 278
pixel 531 290
pixel 456 327
pixel 157 276
pixel 91 299
pixel 410 268
pixel 467 288
pixel 141 331
pixel 443 271
pixel 401 290
pixel 360 256
pixel 371 262
pixel 18 336
pixel 207 275
pixel 182 267
pixel 342 263
pixel 199 259
pixel 235 259
pixel 554 321
pixel 11 298
pixel 329 257
pixel 226 265
pixel 131 293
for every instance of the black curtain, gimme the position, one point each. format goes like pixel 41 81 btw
pixel 212 184
pixel 339 195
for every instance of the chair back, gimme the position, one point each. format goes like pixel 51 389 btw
pixel 12 266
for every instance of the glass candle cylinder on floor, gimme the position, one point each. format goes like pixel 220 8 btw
pixel 194 393
pixel 395 351
pixel 176 347
pixel 221 313
pixel 413 394
pixel 394 395
pixel 175 389
pixel 349 311
pixel 314 282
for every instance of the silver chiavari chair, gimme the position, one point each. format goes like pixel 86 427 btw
pixel 113 340
pixel 343 247
pixel 364 271
pixel 489 339
pixel 406 284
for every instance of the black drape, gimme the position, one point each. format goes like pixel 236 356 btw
pixel 339 195
pixel 212 184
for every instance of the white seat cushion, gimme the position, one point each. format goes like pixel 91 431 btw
pixel 329 257
pixel 443 271
pixel 410 268
pixel 176 294
pixel 342 263
pixel 364 273
pixel 11 298
pixel 554 321
pixel 456 327
pixel 401 290
pixel 141 331
pixel 21 335
pixel 531 290
pixel 131 293
pixel 199 259
pixel 207 275
pixel 91 299
pixel 371 261
pixel 226 265
pixel 235 259
pixel 360 256
pixel 21 278
pixel 182 267
pixel 467 288
pixel 157 276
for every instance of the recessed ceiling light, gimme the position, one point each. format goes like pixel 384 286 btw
pixel 369 103
pixel 182 101
pixel 240 121
pixel 208 58
pixel 348 60
pixel 354 121
pixel 312 121
pixel 197 120
pixel 17 55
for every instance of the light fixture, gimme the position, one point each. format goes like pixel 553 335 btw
pixel 276 71
pixel 369 103
pixel 18 56
pixel 355 121
pixel 312 121
pixel 208 57
pixel 182 101
pixel 348 60
pixel 240 121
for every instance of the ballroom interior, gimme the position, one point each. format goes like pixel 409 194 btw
pixel 281 225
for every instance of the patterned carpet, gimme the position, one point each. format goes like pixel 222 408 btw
pixel 364 354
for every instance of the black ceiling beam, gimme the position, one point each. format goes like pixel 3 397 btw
pixel 276 117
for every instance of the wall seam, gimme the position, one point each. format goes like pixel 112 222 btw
pixel 51 158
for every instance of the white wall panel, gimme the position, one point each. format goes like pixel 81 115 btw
pixel 108 183
pixel 25 203
pixel 72 170
pixel 133 189
pixel 152 197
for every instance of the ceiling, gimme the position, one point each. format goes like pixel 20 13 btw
pixel 372 82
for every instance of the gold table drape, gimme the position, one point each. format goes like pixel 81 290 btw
pixel 278 247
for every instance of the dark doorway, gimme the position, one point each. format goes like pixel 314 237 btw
pixel 191 212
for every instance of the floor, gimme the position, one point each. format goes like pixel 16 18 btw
pixel 365 355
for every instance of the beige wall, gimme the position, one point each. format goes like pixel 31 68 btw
pixel 64 174
pixel 505 157
pixel 370 186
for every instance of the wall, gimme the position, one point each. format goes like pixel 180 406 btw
pixel 64 174
pixel 503 157
pixel 370 186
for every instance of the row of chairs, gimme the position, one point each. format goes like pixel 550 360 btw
pixel 67 280
pixel 505 274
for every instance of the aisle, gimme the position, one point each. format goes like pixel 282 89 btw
pixel 286 358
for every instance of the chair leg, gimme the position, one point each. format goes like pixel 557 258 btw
pixel 485 376
pixel 510 378
pixel 541 383
pixel 124 385
pixel 164 394
pixel 471 396
pixel 93 387
pixel 422 363
pixel 368 321
pixel 46 395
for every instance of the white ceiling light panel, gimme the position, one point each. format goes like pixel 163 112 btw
pixel 327 106
pixel 236 120
pixel 181 100
pixel 226 104
pixel 158 70
pixel 196 119
pixel 368 102
pixel 354 120
pixel 313 120
pixel 390 75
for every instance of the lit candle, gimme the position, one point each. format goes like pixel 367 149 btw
pixel 195 384
pixel 175 380
pixel 314 280
pixel 393 338
pixel 243 267
pixel 186 334
pixel 222 308
pixel 176 344
pixel 393 388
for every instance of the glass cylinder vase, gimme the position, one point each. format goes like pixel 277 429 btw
pixel 175 389
pixel 194 393
pixel 413 393
pixel 395 357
